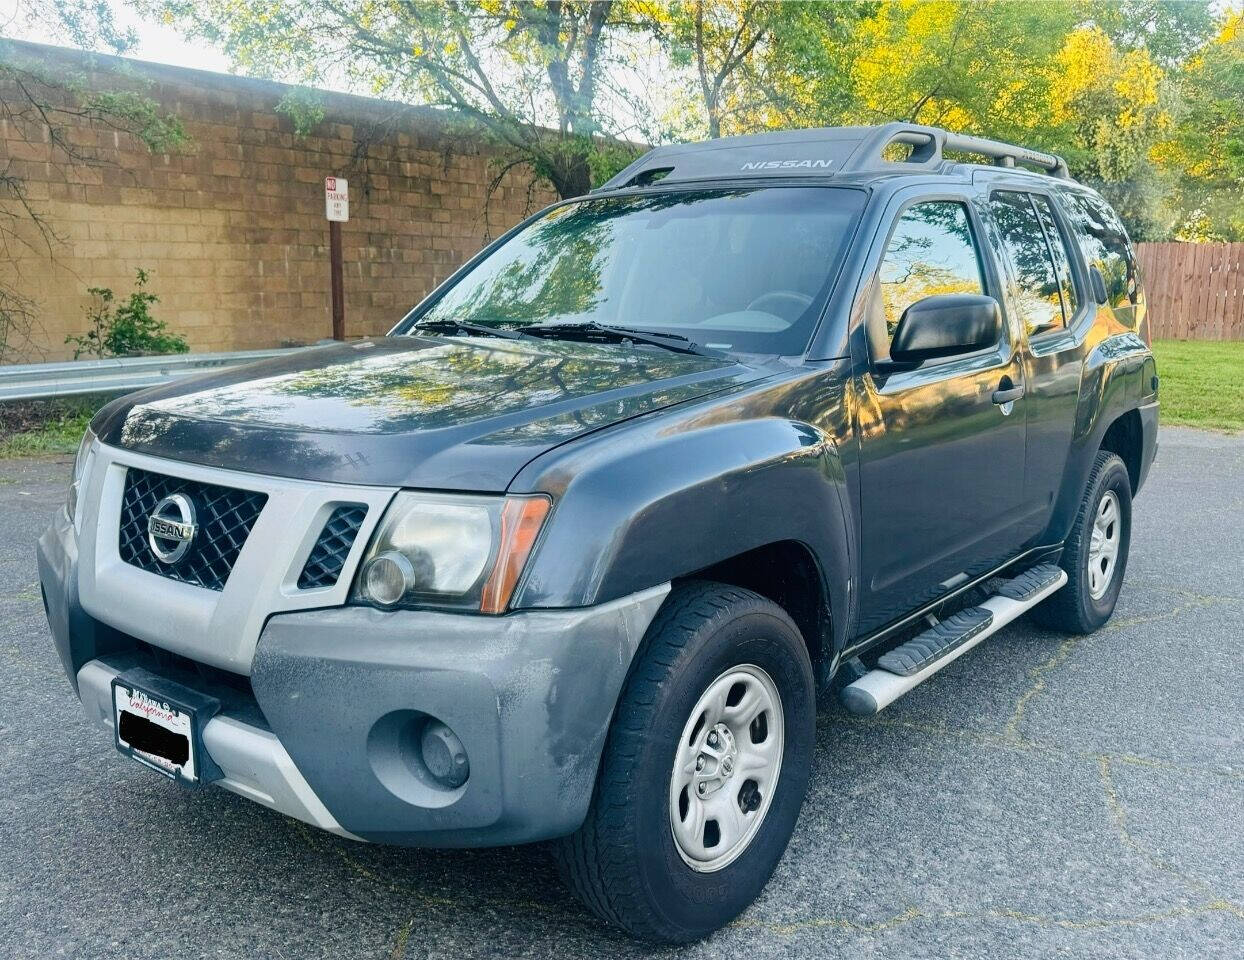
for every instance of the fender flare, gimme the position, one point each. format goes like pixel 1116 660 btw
pixel 1114 381
pixel 661 501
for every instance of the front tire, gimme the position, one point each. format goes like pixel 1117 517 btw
pixel 1095 555
pixel 715 725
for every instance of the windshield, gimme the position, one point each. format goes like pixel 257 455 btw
pixel 745 270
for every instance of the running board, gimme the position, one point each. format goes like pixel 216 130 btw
pixel 910 664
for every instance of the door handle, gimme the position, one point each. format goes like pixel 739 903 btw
pixel 1008 394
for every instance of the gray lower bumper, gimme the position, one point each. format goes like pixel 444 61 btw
pixel 342 695
pixel 530 695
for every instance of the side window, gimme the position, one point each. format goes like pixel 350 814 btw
pixel 1105 244
pixel 1062 262
pixel 931 251
pixel 1039 301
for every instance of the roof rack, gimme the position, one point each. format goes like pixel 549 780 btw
pixel 823 152
pixel 933 142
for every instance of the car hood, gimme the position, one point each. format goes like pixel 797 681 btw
pixel 435 412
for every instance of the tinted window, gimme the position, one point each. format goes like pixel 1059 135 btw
pixel 1037 290
pixel 1062 262
pixel 1104 242
pixel 746 270
pixel 931 251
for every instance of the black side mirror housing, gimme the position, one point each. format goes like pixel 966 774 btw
pixel 946 325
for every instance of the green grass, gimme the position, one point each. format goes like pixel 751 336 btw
pixel 1202 382
pixel 45 428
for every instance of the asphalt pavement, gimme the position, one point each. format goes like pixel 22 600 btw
pixel 1043 796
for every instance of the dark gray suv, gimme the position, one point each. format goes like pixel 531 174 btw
pixel 567 556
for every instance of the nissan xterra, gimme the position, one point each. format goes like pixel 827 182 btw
pixel 568 554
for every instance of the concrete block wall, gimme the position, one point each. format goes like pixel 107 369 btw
pixel 232 227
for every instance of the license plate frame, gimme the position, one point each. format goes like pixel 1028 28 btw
pixel 160 725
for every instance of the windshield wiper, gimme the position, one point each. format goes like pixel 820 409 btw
pixel 592 329
pixel 479 329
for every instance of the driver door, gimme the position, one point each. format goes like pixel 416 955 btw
pixel 941 463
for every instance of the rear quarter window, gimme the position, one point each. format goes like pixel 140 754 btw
pixel 1105 245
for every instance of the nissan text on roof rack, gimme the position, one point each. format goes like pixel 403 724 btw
pixel 567 555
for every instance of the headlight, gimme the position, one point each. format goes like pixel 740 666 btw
pixel 79 467
pixel 449 551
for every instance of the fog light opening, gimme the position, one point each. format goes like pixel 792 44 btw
pixel 444 756
pixel 418 759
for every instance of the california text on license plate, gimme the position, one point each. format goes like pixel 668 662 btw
pixel 154 731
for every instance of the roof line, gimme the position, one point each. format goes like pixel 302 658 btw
pixel 827 151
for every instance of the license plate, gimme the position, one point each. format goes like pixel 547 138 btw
pixel 155 731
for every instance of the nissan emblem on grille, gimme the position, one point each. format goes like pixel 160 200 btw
pixel 223 517
pixel 171 528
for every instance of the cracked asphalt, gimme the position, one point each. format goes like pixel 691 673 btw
pixel 1043 796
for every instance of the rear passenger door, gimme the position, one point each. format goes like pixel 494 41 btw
pixel 941 463
pixel 1046 288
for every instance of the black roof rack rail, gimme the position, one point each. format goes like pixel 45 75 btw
pixel 934 142
pixel 822 152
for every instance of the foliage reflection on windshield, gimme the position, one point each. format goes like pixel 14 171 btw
pixel 733 269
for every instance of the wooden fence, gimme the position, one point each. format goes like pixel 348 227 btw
pixel 1195 290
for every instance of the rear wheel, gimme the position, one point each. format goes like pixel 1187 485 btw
pixel 704 771
pixel 1095 555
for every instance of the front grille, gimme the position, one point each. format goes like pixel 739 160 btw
pixel 224 517
pixel 328 556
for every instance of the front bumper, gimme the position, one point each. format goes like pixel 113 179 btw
pixel 326 728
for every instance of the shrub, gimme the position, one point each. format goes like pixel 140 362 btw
pixel 125 328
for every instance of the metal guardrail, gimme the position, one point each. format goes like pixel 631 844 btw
pixel 42 381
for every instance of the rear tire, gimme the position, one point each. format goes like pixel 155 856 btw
pixel 1095 555
pixel 714 657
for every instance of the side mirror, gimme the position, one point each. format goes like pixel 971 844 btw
pixel 945 325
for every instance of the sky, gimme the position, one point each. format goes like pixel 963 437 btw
pixel 160 43
pixel 156 42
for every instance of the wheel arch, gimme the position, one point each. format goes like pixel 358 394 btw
pixel 1116 411
pixel 1125 437
pixel 788 573
pixel 673 502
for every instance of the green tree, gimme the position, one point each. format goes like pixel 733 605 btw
pixel 976 67
pixel 1169 30
pixel 1114 87
pixel 1206 149
pixel 754 63
pixel 748 66
pixel 716 39
pixel 529 74
pixel 1109 108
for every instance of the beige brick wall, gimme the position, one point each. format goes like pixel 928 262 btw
pixel 232 228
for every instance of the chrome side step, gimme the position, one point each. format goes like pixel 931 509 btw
pixel 910 664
